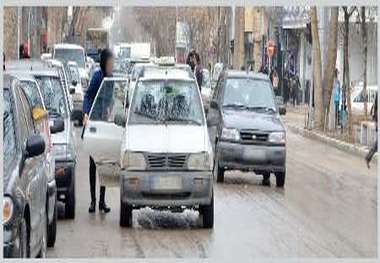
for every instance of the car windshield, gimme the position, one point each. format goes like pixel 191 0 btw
pixel 69 54
pixel 166 101
pixel 53 95
pixel 109 101
pixel 248 93
pixel 31 90
pixel 74 73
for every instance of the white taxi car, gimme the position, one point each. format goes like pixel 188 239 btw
pixel 158 144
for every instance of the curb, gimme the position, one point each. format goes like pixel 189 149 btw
pixel 360 151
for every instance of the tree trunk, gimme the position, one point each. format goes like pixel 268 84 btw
pixel 328 76
pixel 365 52
pixel 346 71
pixel 317 69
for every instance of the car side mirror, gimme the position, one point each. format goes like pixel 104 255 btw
pixel 58 126
pixel 120 119
pixel 35 145
pixel 282 110
pixel 74 83
pixel 213 104
pixel 72 90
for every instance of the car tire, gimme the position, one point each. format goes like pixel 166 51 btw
pixel 207 213
pixel 280 179
pixel 43 249
pixel 52 229
pixel 24 239
pixel 266 179
pixel 219 173
pixel 125 214
pixel 70 201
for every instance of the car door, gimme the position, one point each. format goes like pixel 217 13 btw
pixel 105 128
pixel 32 171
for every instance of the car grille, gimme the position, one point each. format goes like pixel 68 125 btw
pixel 253 136
pixel 166 161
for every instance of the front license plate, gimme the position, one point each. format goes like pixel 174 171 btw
pixel 167 183
pixel 255 154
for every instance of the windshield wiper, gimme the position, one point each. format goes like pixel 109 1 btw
pixel 184 120
pixel 265 108
pixel 234 105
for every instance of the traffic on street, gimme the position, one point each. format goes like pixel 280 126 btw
pixel 135 146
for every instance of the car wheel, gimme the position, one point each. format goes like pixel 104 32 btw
pixel 125 214
pixel 24 240
pixel 280 179
pixel 70 202
pixel 266 179
pixel 43 249
pixel 207 213
pixel 52 229
pixel 219 173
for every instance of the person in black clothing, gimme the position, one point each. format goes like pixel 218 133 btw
pixel 373 149
pixel 106 67
pixel 190 60
pixel 198 70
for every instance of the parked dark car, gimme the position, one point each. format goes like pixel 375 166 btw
pixel 25 190
pixel 250 135
pixel 57 103
pixel 41 121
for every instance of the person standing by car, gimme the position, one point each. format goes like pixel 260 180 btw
pixel 373 149
pixel 190 60
pixel 106 67
pixel 336 97
pixel 198 70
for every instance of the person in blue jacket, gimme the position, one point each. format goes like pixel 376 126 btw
pixel 106 67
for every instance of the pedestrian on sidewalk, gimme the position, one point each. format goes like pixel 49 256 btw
pixel 106 68
pixel 373 149
pixel 274 79
pixel 190 60
pixel 336 97
pixel 198 70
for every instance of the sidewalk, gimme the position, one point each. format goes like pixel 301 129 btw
pixel 295 120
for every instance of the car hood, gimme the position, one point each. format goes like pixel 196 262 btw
pixel 167 138
pixel 64 136
pixel 241 119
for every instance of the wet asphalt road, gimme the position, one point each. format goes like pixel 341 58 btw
pixel 328 208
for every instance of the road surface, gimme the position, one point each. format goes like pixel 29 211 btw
pixel 328 208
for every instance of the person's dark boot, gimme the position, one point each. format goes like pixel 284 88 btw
pixel 102 204
pixel 92 207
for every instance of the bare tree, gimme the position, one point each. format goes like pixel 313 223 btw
pixel 317 69
pixel 365 52
pixel 346 68
pixel 328 76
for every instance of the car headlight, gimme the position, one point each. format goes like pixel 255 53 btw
pixel 134 161
pixel 230 134
pixel 8 209
pixel 277 137
pixel 199 161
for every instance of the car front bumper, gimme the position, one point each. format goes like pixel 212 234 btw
pixel 257 158
pixel 140 188
pixel 64 176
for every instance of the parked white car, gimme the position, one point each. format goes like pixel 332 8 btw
pixel 206 90
pixel 357 98
pixel 76 91
pixel 161 150
pixel 70 52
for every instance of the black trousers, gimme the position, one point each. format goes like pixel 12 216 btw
pixel 93 183
pixel 372 151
